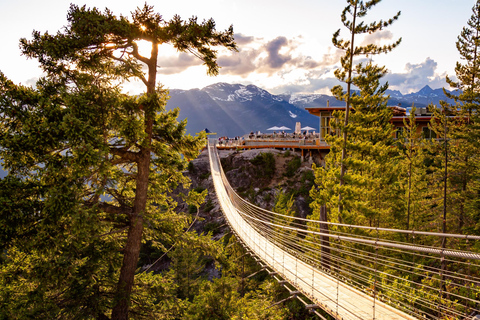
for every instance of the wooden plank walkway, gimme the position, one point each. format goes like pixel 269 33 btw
pixel 337 298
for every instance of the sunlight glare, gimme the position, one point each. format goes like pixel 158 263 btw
pixel 144 48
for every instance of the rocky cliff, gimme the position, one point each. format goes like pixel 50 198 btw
pixel 257 178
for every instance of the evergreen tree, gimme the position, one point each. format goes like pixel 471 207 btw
pixel 366 198
pixel 284 206
pixel 468 74
pixel 90 168
pixel 412 170
pixel 465 130
pixel 355 10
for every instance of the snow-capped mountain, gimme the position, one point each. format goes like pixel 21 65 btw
pixel 235 109
pixel 425 96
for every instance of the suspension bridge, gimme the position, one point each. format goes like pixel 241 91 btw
pixel 357 272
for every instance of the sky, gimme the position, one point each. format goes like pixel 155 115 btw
pixel 284 45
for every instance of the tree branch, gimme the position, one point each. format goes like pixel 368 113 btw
pixel 113 232
pixel 108 208
pixel 137 55
pixel 125 154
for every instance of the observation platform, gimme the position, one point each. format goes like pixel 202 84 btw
pixel 308 142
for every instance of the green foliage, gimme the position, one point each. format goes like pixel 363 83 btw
pixel 464 131
pixel 187 267
pixel 292 166
pixel 412 178
pixel 265 165
pixel 191 167
pixel 308 176
pixel 208 206
pixel 365 193
pixel 205 175
pixel 192 209
pixel 220 300
pixel 284 206
pixel 358 165
pixel 212 227
pixel 150 289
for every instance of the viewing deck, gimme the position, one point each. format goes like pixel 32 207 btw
pixel 308 142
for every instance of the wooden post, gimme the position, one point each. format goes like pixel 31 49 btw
pixel 325 240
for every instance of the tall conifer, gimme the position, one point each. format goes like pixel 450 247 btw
pixel 351 15
pixel 363 135
pixel 412 171
pixel 465 130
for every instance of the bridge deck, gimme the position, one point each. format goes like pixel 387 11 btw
pixel 338 299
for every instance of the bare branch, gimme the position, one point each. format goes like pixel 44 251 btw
pixel 137 55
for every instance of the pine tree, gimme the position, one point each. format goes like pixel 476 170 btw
pixel 187 266
pixel 412 170
pixel 468 74
pixel 355 10
pixel 465 130
pixel 369 164
pixel 284 206
pixel 90 168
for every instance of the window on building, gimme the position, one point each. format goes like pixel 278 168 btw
pixel 428 133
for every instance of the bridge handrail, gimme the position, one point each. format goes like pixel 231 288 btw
pixel 410 232
pixel 434 250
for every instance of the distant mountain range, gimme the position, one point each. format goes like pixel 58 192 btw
pixel 235 109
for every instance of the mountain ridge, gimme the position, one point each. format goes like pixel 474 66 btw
pixel 237 109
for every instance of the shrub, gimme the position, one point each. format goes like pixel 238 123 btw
pixel 205 175
pixel 199 189
pixel 208 206
pixel 265 162
pixel 191 167
pixel 292 166
pixel 308 176
pixel 192 209
pixel 213 227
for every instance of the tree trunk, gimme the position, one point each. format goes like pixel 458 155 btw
pixel 132 247
pixel 135 231
pixel 347 109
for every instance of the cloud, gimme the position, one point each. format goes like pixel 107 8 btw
pixel 239 64
pixel 417 76
pixel 256 56
pixel 282 59
pixel 275 60
pixel 177 64
pixel 32 82
pixel 242 40
pixel 377 38
pixel 276 56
